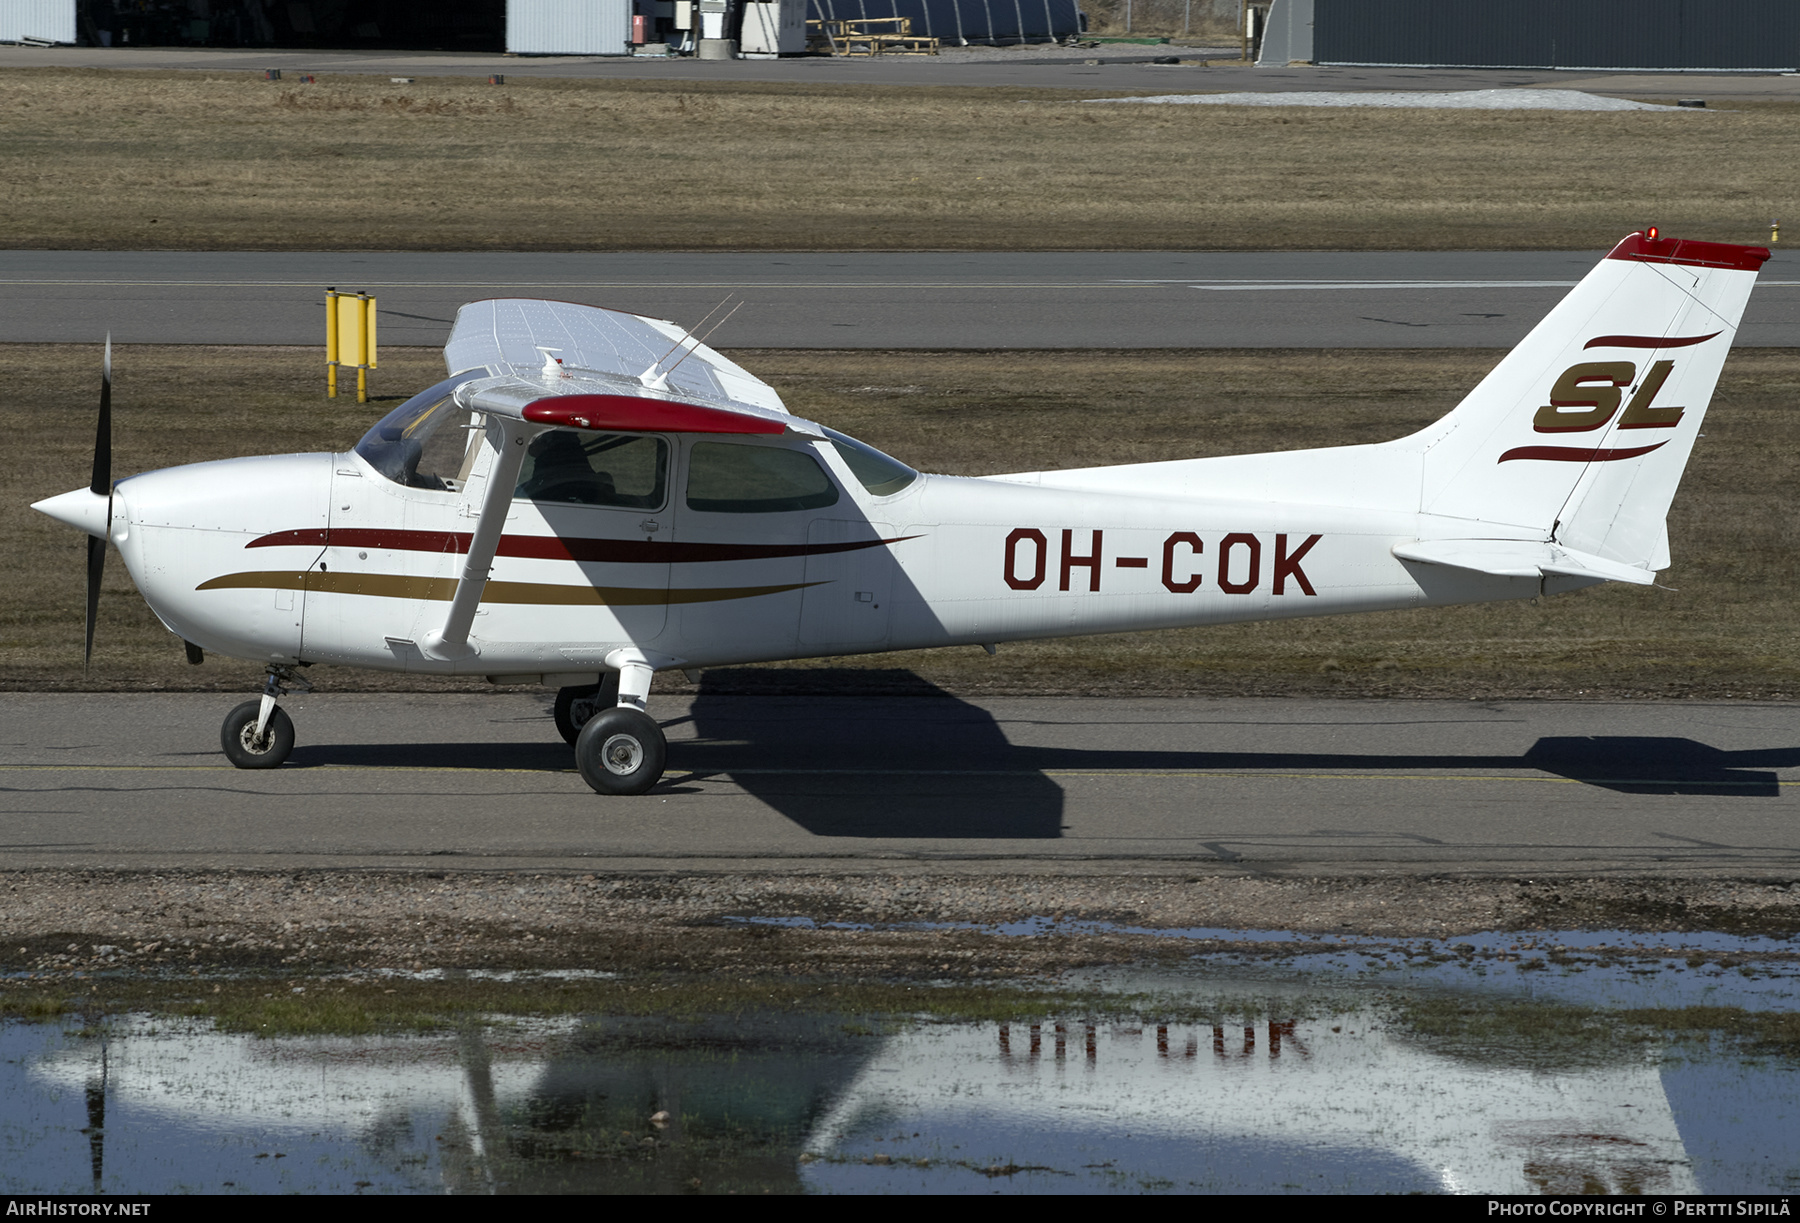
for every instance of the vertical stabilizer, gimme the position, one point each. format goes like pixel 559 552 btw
pixel 1580 435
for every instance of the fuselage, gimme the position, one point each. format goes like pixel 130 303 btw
pixel 323 558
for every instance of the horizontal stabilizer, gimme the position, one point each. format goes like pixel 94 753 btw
pixel 1521 558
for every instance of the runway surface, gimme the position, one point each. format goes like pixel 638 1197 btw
pixel 1283 786
pixel 928 300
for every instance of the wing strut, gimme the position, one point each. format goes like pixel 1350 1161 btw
pixel 452 641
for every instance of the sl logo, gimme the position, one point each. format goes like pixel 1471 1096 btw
pixel 1587 396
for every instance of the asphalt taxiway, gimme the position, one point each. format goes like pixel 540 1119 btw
pixel 798 783
pixel 879 300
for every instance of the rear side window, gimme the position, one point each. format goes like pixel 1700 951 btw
pixel 727 479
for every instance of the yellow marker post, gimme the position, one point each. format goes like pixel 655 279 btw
pixel 349 339
pixel 331 343
pixel 368 363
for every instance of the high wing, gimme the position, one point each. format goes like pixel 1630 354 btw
pixel 534 365
pixel 512 334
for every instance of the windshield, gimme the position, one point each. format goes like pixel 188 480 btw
pixel 877 472
pixel 422 443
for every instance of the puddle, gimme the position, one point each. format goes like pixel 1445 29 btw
pixel 1606 968
pixel 1345 1066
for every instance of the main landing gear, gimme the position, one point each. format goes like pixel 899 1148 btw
pixel 258 734
pixel 618 749
pixel 574 706
pixel 621 751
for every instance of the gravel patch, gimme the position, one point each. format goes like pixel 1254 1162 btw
pixel 1468 99
pixel 58 924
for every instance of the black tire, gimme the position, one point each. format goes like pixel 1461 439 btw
pixel 574 706
pixel 242 748
pixel 621 751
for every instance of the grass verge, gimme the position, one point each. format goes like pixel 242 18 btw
pixel 103 160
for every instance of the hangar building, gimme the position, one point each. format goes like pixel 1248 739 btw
pixel 567 27
pixel 1658 35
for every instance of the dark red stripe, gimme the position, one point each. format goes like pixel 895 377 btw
pixel 642 414
pixel 1646 341
pixel 1694 254
pixel 557 548
pixel 1569 454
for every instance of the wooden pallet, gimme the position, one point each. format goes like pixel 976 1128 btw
pixel 867 36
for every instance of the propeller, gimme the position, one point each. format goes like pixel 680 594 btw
pixel 100 485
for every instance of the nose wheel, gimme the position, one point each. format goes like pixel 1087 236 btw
pixel 248 748
pixel 258 734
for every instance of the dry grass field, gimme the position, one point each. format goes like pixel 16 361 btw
pixel 1730 627
pixel 146 160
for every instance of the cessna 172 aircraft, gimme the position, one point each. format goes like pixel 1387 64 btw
pixel 592 497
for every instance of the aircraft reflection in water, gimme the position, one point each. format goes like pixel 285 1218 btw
pixel 1336 1104
pixel 592 497
pixel 785 1103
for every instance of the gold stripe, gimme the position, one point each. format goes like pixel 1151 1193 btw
pixel 396 586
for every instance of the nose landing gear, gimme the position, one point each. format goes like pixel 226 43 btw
pixel 258 734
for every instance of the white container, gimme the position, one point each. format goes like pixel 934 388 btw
pixel 567 27
pixel 774 27
pixel 46 20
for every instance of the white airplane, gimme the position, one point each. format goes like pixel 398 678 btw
pixel 592 497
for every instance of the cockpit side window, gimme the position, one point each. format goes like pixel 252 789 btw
pixel 628 470
pixel 422 443
pixel 730 479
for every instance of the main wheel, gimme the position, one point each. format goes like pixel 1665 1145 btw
pixel 242 745
pixel 574 706
pixel 621 751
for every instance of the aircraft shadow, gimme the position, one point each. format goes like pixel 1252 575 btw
pixel 940 767
pixel 924 765
pixel 906 759
pixel 551 756
pixel 1644 764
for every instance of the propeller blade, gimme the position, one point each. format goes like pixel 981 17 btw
pixel 101 483
pixel 96 565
